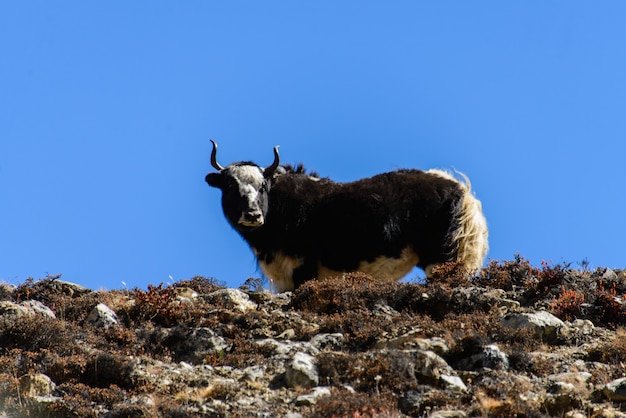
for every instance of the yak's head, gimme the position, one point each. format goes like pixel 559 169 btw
pixel 245 187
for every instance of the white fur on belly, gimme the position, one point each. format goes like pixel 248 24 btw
pixel 382 268
pixel 280 271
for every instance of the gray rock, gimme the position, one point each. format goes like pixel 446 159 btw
pixel 33 385
pixel 414 340
pixel 579 380
pixel 562 397
pixel 583 326
pixel 430 366
pixel 302 371
pixel 453 382
pixel 29 307
pixel 102 316
pixel 491 357
pixel 288 334
pixel 545 325
pixel 287 348
pixel 68 288
pixel 616 390
pixel 233 299
pixel 7 288
pixel 448 414
pixel 410 402
pixel 386 310
pixel 609 275
pixel 328 341
pixel 484 298
pixel 254 373
pixel 12 310
pixel 39 308
pixel 311 398
pixel 185 294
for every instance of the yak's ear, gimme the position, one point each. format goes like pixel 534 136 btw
pixel 214 180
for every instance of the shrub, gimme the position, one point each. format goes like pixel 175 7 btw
pixel 568 305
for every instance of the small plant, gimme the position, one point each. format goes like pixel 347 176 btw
pixel 452 273
pixel 568 305
pixel 345 404
pixel 550 276
pixel 507 274
pixel 611 307
pixel 156 304
pixel 252 284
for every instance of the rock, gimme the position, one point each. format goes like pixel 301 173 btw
pixel 414 340
pixel 33 385
pixel 37 307
pixel 491 357
pixel 578 380
pixel 486 299
pixel 71 289
pixel 616 390
pixel 453 382
pixel 254 373
pixel 385 310
pixel 328 341
pixel 410 402
pixel 311 398
pixel 129 411
pixel 233 299
pixel 7 289
pixel 200 343
pixel 302 371
pixel 448 414
pixel 287 348
pixel 574 414
pixel 29 307
pixel 430 366
pixel 545 325
pixel 185 294
pixel 414 402
pixel 12 310
pixel 288 334
pixel 609 275
pixel 583 326
pixel 562 397
pixel 102 316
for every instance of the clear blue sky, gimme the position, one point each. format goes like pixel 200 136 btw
pixel 107 109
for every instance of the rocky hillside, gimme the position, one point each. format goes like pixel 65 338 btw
pixel 515 340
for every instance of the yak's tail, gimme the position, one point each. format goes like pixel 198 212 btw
pixel 471 236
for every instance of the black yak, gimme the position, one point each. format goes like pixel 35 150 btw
pixel 302 227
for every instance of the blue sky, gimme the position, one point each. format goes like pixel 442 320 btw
pixel 108 107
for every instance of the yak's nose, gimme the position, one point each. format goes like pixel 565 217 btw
pixel 251 218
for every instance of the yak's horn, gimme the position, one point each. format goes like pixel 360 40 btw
pixel 214 162
pixel 274 166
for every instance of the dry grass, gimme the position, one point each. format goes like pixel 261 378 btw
pixel 93 366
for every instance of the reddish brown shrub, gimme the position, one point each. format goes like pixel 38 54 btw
pixel 568 305
pixel 345 404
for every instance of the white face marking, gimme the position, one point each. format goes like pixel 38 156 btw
pixel 249 181
pixel 383 268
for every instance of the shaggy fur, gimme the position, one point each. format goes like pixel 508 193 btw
pixel 383 225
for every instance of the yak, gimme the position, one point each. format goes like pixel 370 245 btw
pixel 301 227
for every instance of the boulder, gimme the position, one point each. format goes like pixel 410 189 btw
pixel 546 326
pixel 102 316
pixel 302 371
